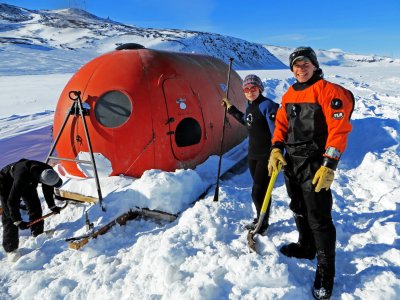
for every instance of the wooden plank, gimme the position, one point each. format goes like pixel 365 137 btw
pixel 75 196
pixel 121 220
pixel 157 214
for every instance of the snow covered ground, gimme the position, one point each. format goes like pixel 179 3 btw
pixel 203 254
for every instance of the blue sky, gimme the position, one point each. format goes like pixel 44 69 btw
pixel 362 27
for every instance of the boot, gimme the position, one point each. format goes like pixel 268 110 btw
pixel 324 276
pixel 13 256
pixel 305 247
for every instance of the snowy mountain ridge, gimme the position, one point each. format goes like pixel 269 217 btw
pixel 74 29
pixel 81 36
pixel 335 57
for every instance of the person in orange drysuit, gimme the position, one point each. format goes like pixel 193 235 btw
pixel 312 125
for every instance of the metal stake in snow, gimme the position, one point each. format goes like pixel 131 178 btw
pixel 216 193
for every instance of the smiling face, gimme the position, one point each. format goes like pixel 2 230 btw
pixel 303 70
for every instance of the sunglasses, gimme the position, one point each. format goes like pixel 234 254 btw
pixel 250 89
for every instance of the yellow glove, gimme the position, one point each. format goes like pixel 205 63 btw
pixel 275 158
pixel 227 103
pixel 323 178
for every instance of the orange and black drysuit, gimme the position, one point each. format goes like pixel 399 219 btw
pixel 312 125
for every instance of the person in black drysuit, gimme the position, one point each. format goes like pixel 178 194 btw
pixel 259 120
pixel 19 180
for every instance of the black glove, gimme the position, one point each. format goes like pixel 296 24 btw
pixel 55 209
pixel 22 225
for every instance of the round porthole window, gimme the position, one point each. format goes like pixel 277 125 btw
pixel 187 133
pixel 113 109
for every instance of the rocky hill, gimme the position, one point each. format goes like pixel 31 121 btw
pixel 74 29
pixel 68 38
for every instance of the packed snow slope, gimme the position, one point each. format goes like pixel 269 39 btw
pixel 203 254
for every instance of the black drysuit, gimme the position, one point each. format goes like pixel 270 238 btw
pixel 18 181
pixel 259 120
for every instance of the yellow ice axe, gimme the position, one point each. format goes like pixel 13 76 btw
pixel 267 198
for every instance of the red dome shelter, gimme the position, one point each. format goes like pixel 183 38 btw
pixel 149 109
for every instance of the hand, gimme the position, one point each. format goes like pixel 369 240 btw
pixel 323 178
pixel 55 209
pixel 21 225
pixel 227 103
pixel 275 158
